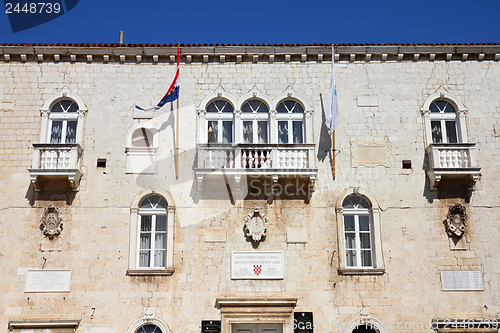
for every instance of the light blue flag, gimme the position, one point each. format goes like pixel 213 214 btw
pixel 332 113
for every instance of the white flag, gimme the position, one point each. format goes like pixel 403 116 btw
pixel 332 113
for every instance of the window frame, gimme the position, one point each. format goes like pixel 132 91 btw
pixel 135 230
pixel 442 94
pixel 153 213
pixel 356 213
pixel 377 267
pixel 443 118
pixel 220 117
pixel 48 116
pixel 255 117
pixel 290 118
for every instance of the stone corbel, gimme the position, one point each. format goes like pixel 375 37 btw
pixel 199 183
pixel 312 183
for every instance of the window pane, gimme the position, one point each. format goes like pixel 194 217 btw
pixel 437 135
pixel 144 256
pixel 227 132
pixel 350 240
pixel 366 258
pixel 159 259
pixel 212 131
pixel 350 258
pixel 149 329
pixel 254 106
pixel 262 131
pixel 161 241
pixel 451 131
pixel 145 241
pixel 71 131
pixel 56 131
pixel 247 132
pixel 349 223
pixel 365 240
pixel 219 106
pixel 282 131
pixel 146 223
pixel 364 223
pixel 297 132
pixel 161 223
pixel 68 106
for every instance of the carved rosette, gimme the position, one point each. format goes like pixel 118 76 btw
pixel 256 225
pixel 456 220
pixel 51 222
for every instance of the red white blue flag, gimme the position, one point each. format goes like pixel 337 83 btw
pixel 172 92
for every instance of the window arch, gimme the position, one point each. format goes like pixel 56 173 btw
pixel 444 118
pixel 220 121
pixel 149 328
pixel 358 224
pixel 141 149
pixel 148 324
pixel 142 137
pixel 365 324
pixel 358 232
pixel 62 118
pixel 152 234
pixel 290 121
pixel 63 121
pixel 255 122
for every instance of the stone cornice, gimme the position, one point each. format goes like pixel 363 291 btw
pixel 234 53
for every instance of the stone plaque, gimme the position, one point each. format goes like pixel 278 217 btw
pixel 461 280
pixel 99 329
pixel 257 265
pixel 48 280
pixel 370 154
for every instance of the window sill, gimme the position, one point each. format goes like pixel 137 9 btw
pixel 151 272
pixel 361 271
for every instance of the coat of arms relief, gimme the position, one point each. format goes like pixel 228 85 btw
pixel 51 222
pixel 456 220
pixel 256 225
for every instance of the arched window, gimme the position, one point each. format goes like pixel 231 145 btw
pixel 63 122
pixel 152 217
pixel 358 225
pixel 290 120
pixel 255 122
pixel 444 127
pixel 152 232
pixel 219 120
pixel 358 232
pixel 149 328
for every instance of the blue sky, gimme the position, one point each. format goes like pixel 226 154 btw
pixel 268 22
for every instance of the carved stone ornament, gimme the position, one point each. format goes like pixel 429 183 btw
pixel 256 225
pixel 456 220
pixel 51 222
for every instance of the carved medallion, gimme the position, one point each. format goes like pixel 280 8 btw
pixel 51 222
pixel 256 225
pixel 456 220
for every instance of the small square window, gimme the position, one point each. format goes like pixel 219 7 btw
pixel 406 164
pixel 101 162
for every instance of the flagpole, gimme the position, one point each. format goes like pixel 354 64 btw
pixel 333 155
pixel 177 129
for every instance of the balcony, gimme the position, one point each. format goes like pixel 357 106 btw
pixel 55 162
pixel 273 161
pixel 456 161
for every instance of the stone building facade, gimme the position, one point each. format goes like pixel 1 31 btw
pixel 249 216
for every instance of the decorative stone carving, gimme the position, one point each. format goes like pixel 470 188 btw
pixel 51 222
pixel 256 225
pixel 456 220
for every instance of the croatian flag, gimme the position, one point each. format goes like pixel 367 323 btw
pixel 332 114
pixel 172 92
